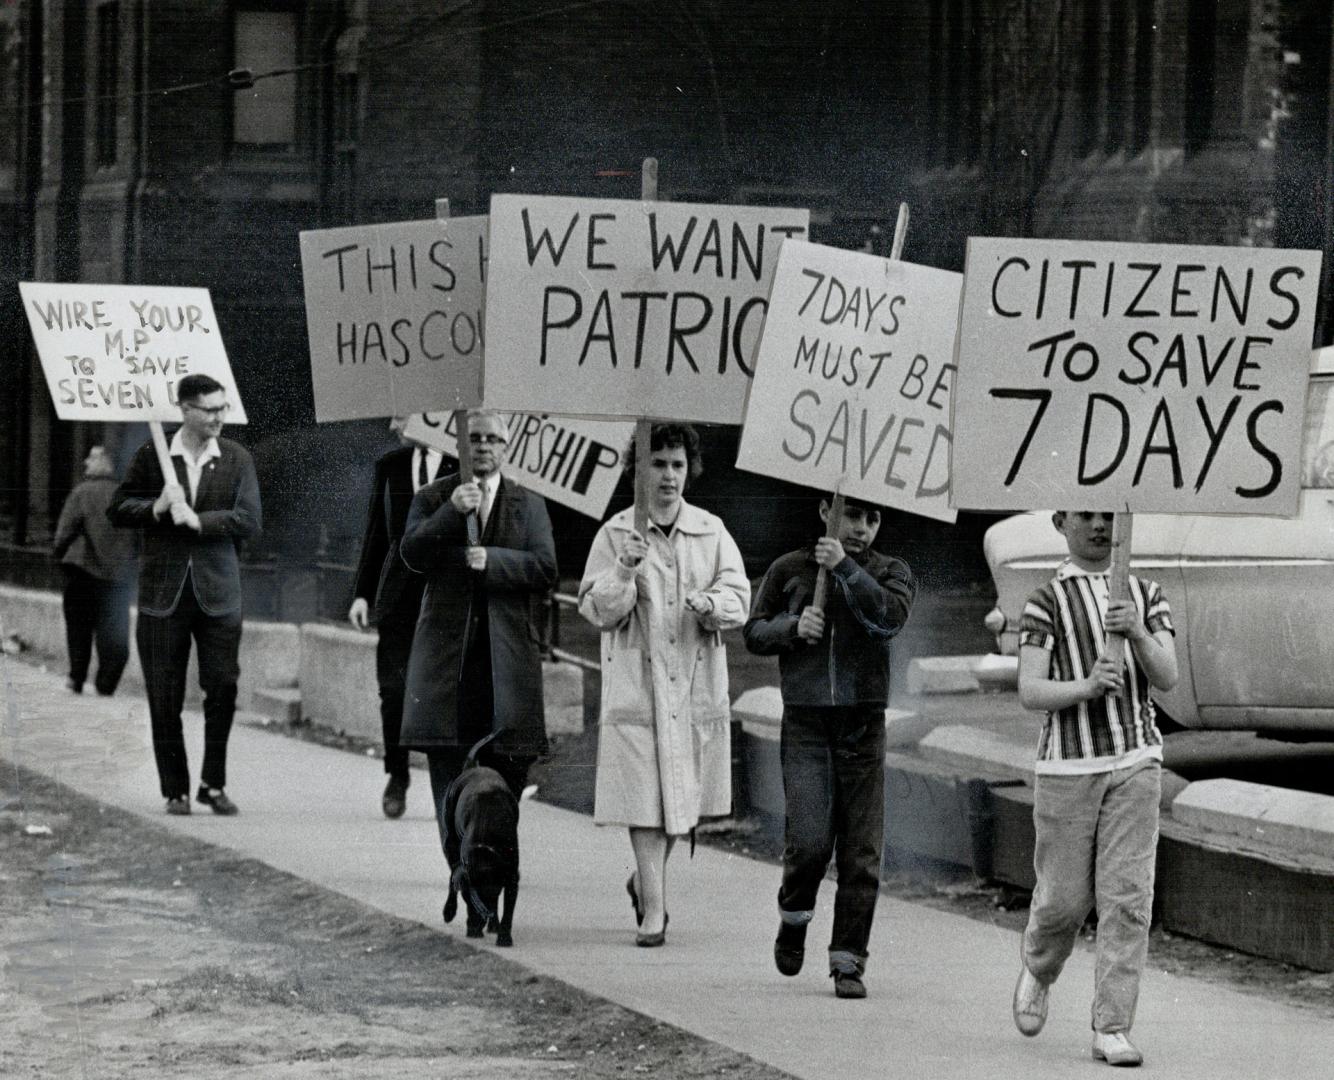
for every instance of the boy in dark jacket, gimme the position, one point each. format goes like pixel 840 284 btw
pixel 834 668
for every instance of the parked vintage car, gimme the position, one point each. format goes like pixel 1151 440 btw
pixel 1252 597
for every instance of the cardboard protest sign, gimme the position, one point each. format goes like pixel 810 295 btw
pixel 613 307
pixel 852 383
pixel 117 352
pixel 576 463
pixel 394 316
pixel 1132 377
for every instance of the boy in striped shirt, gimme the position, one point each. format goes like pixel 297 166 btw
pixel 1098 778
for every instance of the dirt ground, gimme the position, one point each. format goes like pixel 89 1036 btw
pixel 127 951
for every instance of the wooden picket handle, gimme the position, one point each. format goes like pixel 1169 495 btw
pixel 648 183
pixel 836 503
pixel 464 447
pixel 1118 582
pixel 163 452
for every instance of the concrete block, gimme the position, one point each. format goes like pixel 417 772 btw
pixel 278 704
pixel 997 672
pixel 563 697
pixel 760 711
pixel 942 675
pixel 904 728
pixel 987 753
pixel 1265 816
pixel 339 689
pixel 269 651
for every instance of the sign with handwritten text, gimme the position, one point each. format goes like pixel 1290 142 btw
pixel 117 352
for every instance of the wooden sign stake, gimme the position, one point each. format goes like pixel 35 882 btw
pixel 1118 582
pixel 464 448
pixel 163 453
pixel 644 427
pixel 836 503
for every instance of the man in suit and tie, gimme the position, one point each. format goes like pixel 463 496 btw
pixel 476 665
pixel 190 583
pixel 387 590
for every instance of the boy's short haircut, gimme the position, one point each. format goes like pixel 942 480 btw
pixel 196 386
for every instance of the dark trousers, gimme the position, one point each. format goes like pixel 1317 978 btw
pixel 446 764
pixel 391 672
pixel 834 790
pixel 164 653
pixel 96 610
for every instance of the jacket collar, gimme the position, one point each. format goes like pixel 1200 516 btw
pixel 690 520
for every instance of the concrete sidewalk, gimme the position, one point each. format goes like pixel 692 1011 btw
pixel 940 984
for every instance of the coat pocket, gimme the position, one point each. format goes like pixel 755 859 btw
pixel 626 686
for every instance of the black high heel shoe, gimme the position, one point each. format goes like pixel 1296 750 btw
pixel 634 900
pixel 652 941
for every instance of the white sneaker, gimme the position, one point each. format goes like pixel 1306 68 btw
pixel 1030 1002
pixel 1114 1048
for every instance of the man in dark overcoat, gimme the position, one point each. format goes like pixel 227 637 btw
pixel 390 594
pixel 190 583
pixel 476 665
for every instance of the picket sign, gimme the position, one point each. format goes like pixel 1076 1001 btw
pixel 836 502
pixel 648 191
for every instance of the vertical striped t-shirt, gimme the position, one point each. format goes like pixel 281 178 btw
pixel 1066 618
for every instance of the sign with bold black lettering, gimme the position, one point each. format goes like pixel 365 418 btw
pixel 852 381
pixel 117 352
pixel 576 463
pixel 1132 377
pixel 612 307
pixel 394 314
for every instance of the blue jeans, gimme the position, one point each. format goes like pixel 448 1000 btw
pixel 834 791
pixel 1097 839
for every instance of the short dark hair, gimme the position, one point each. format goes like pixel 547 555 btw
pixel 193 387
pixel 668 437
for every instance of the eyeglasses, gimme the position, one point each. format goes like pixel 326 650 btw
pixel 486 440
pixel 214 413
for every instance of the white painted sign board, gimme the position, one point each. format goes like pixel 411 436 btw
pixel 117 352
pixel 623 308
pixel 852 383
pixel 1132 377
pixel 570 461
pixel 394 316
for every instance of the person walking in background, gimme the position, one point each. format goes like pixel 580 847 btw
pixel 387 590
pixel 98 562
pixel 1098 778
pixel 475 665
pixel 834 669
pixel 661 602
pixel 190 583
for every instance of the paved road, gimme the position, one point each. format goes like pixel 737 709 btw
pixel 940 984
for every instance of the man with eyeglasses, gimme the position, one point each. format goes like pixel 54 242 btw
pixel 476 668
pixel 190 583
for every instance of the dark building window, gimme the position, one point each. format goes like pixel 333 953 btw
pixel 1090 67
pixel 1118 63
pixel 1201 28
pixel 1142 110
pixel 107 101
pixel 264 115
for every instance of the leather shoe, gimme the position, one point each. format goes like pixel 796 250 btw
pixel 634 900
pixel 179 806
pixel 790 948
pixel 652 941
pixel 1030 1002
pixel 1114 1048
pixel 848 984
pixel 395 799
pixel 217 799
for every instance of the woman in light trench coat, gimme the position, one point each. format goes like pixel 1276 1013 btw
pixel 662 602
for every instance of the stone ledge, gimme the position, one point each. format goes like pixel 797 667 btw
pixel 968 748
pixel 1269 817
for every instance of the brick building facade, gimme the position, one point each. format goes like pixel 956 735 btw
pixel 128 154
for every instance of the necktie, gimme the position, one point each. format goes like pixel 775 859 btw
pixel 484 510
pixel 423 476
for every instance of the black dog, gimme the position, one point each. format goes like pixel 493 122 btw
pixel 481 818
